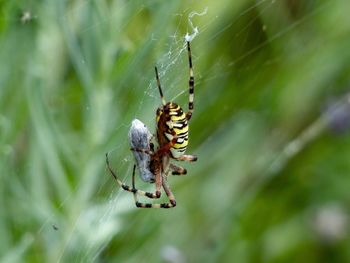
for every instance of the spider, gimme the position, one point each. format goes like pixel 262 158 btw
pixel 172 138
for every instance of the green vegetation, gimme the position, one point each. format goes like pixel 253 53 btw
pixel 270 129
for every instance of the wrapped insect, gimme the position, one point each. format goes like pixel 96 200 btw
pixel 141 146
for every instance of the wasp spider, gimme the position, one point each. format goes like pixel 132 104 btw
pixel 172 137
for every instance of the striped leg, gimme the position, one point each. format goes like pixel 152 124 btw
pixel 171 204
pixel 131 189
pixel 190 84
pixel 188 158
pixel 159 87
pixel 177 170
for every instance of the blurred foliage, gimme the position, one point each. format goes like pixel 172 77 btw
pixel 270 128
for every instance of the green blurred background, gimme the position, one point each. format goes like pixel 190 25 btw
pixel 270 129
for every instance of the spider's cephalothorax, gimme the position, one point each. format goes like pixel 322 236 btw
pixel 172 137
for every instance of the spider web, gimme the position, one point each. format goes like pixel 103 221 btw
pixel 96 225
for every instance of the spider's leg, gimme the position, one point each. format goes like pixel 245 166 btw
pixel 172 201
pixel 166 147
pixel 133 185
pixel 170 195
pixel 128 188
pixel 190 84
pixel 158 179
pixel 145 205
pixel 159 86
pixel 141 150
pixel 177 170
pixel 187 157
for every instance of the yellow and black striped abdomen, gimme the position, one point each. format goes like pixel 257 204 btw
pixel 171 120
